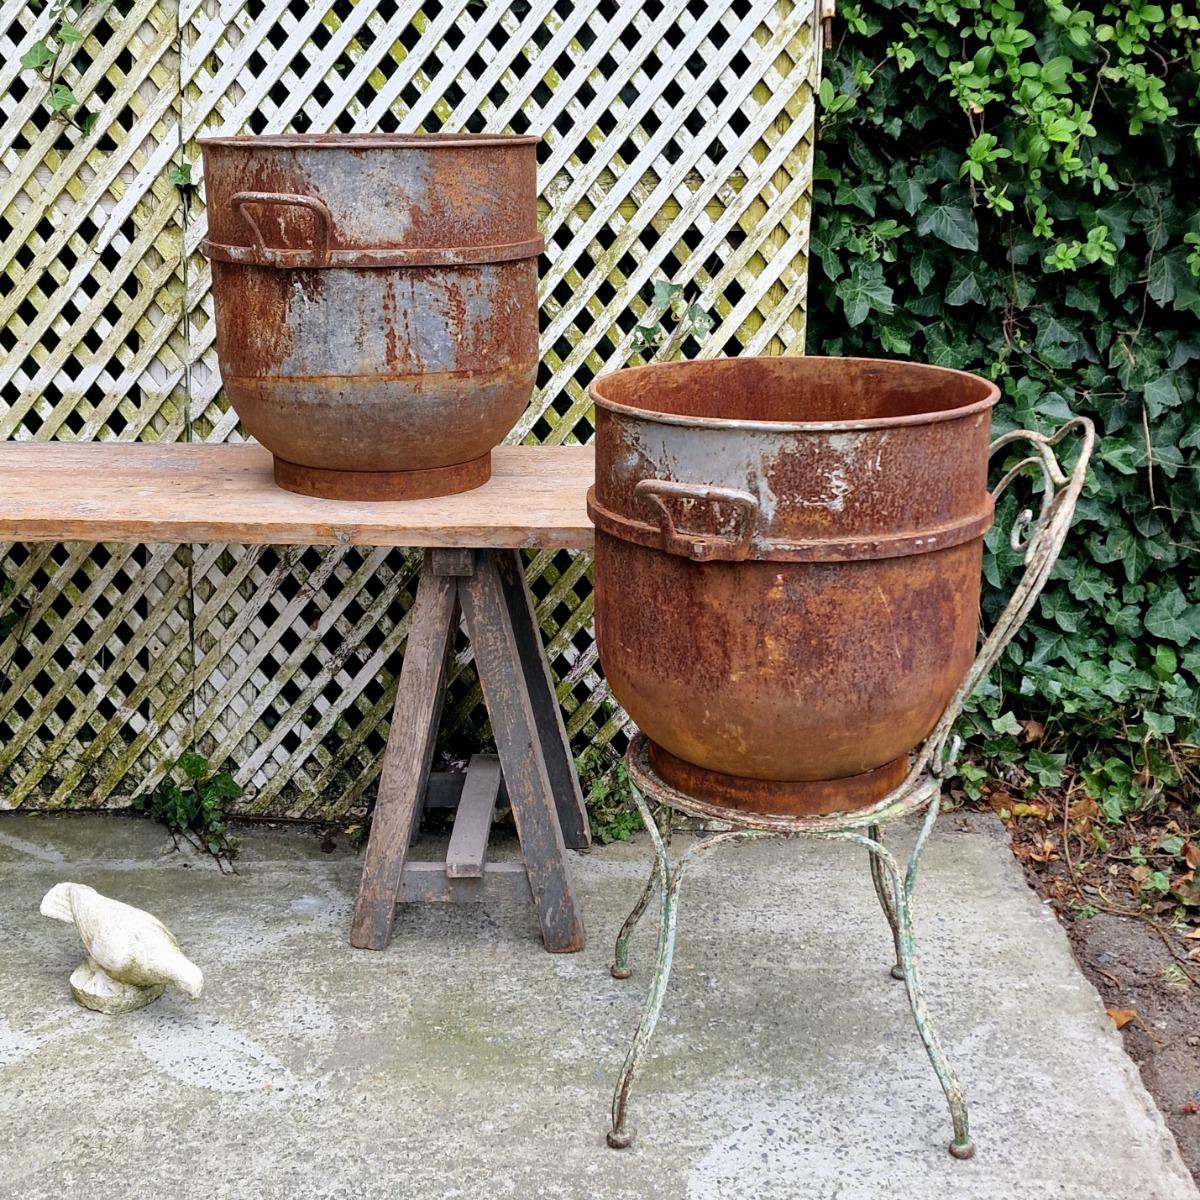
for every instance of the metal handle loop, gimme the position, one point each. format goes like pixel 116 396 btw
pixel 317 256
pixel 701 547
pixel 1041 540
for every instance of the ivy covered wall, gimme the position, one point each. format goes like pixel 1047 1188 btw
pixel 1013 187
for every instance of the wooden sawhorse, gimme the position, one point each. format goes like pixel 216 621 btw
pixel 534 756
pixel 197 493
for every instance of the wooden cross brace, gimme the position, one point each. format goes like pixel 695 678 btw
pixel 534 758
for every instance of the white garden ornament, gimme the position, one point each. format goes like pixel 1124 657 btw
pixel 131 955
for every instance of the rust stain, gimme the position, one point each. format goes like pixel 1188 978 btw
pixel 388 317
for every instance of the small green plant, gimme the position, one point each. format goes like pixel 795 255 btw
pixel 611 810
pixel 190 802
pixel 971 777
pixel 46 59
pixel 180 177
pixel 691 320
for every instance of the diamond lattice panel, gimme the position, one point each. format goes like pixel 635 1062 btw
pixel 676 145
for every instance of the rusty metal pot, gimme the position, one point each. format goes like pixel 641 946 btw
pixel 376 303
pixel 787 568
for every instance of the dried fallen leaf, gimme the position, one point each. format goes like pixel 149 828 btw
pixel 1030 810
pixel 1121 1017
pixel 1083 812
pixel 1047 853
pixel 1193 934
pixel 1186 888
pixel 1191 854
pixel 1033 730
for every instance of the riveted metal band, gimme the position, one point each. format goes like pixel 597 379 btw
pixel 705 546
pixel 366 258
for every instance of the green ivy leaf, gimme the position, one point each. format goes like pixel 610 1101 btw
pixel 193 765
pixel 699 319
pixel 1166 662
pixel 967 283
pixel 224 786
pixel 37 56
pixel 1159 724
pixel 864 291
pixel 665 292
pixel 1089 585
pixel 952 223
pixel 1171 616
pixel 1006 723
pixel 1125 547
pixel 1119 455
pixel 1045 767
pixel 911 193
pixel 1170 276
pixel 1161 394
pixel 1156 881
pixel 61 97
pixel 922 268
pixel 645 337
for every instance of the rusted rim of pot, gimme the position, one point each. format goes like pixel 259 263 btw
pixel 693 422
pixel 370 141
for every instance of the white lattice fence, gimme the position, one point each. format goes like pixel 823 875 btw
pixel 677 145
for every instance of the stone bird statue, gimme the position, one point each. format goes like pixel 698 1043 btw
pixel 131 956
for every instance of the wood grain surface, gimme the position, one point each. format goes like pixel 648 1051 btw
pixel 467 852
pixel 407 759
pixel 178 492
pixel 519 746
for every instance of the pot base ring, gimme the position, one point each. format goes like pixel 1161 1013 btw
pixel 383 485
pixel 802 797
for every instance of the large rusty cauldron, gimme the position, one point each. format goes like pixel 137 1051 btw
pixel 788 556
pixel 376 303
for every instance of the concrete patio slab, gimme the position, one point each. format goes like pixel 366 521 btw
pixel 466 1062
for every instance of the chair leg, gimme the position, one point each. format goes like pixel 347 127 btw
pixel 902 888
pixel 619 1136
pixel 620 968
pixel 879 879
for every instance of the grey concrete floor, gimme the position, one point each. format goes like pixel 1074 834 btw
pixel 467 1062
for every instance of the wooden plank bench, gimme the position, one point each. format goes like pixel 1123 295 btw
pixel 142 492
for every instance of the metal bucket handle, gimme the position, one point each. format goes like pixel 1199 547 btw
pixel 270 256
pixel 702 547
pixel 1040 539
